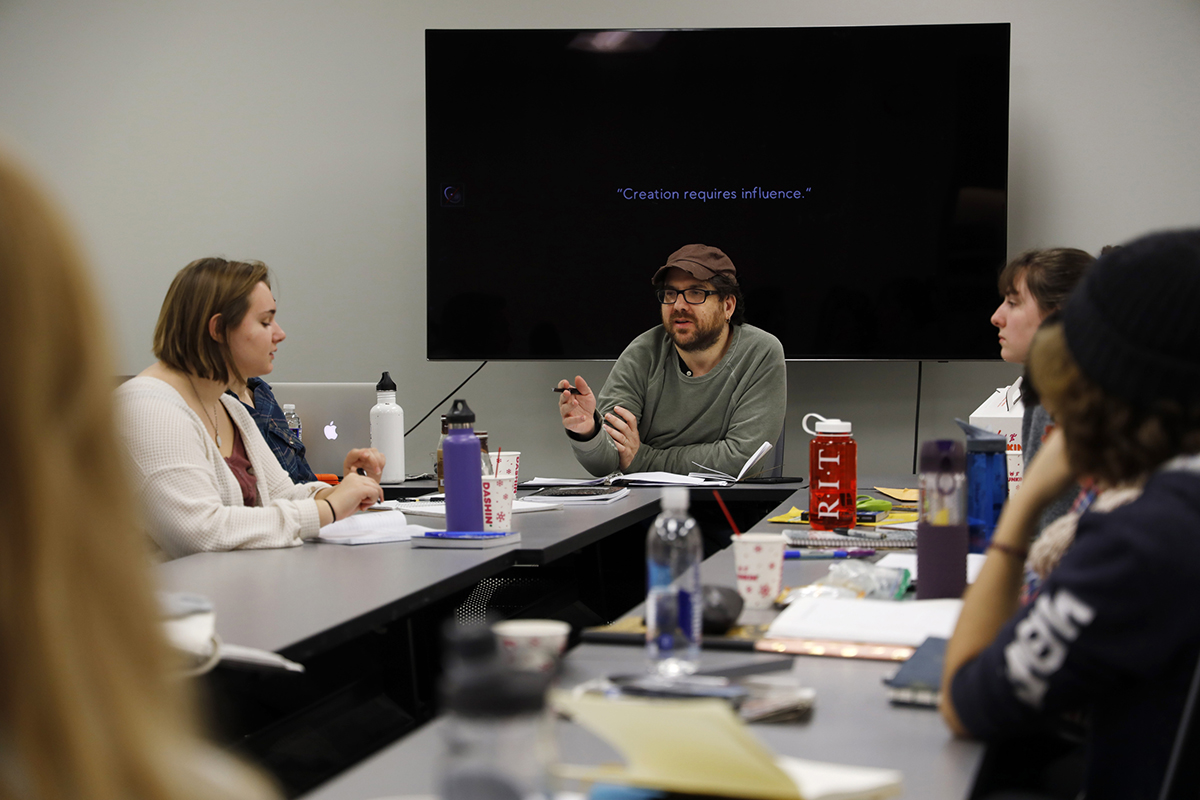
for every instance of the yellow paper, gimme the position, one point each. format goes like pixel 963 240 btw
pixel 903 495
pixel 789 516
pixel 701 747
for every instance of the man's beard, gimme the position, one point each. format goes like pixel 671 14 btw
pixel 702 337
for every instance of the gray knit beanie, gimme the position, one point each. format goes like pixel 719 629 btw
pixel 1133 324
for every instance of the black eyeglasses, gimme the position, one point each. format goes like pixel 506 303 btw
pixel 694 297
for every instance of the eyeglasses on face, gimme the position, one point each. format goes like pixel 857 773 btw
pixel 694 297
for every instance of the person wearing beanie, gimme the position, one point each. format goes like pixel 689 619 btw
pixel 703 388
pixel 1111 639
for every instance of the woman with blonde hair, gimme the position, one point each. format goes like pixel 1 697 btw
pixel 87 709
pixel 206 478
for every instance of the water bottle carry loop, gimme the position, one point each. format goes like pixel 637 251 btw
pixel 804 422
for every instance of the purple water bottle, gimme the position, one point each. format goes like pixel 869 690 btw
pixel 461 454
pixel 942 528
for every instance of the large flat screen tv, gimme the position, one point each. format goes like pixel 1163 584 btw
pixel 856 176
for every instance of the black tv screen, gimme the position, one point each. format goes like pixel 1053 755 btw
pixel 856 176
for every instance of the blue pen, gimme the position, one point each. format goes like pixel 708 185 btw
pixel 816 554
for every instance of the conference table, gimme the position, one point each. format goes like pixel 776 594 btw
pixel 366 623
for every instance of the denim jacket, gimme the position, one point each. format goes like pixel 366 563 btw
pixel 267 414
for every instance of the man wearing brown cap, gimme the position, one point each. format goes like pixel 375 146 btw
pixel 704 388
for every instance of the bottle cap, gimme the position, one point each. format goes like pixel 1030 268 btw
pixel 980 440
pixel 942 456
pixel 289 406
pixel 386 384
pixel 675 498
pixel 460 413
pixel 825 425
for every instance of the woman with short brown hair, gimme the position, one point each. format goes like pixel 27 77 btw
pixel 205 476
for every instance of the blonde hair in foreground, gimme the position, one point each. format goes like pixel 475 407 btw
pixel 87 707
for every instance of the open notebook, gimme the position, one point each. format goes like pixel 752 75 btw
pixel 700 747
pixel 709 476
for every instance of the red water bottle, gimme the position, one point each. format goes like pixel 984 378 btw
pixel 832 474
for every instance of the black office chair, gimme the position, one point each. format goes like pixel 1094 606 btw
pixel 1183 770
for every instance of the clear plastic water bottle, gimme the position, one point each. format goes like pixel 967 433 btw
pixel 497 731
pixel 673 600
pixel 293 421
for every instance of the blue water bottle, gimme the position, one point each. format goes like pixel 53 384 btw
pixel 461 454
pixel 987 483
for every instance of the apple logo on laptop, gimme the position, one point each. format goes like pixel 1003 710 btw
pixel 331 430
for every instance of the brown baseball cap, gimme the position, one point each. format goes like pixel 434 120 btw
pixel 701 261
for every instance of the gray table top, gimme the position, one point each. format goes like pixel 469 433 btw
pixel 853 723
pixel 301 600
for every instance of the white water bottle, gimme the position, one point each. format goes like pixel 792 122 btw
pixel 673 600
pixel 387 430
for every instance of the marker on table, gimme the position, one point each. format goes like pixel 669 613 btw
pixel 861 533
pixel 815 554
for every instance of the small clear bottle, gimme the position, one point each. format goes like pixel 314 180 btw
pixel 498 738
pixel 293 421
pixel 673 600
pixel 441 474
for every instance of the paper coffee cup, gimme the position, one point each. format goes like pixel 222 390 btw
pixel 531 644
pixel 758 558
pixel 498 495
pixel 510 464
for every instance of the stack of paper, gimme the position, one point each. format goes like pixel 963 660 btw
pixel 369 527
pixel 897 622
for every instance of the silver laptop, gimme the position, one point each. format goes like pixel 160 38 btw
pixel 336 418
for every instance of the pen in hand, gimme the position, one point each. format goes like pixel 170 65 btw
pixel 571 389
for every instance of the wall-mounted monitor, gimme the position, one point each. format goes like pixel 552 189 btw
pixel 856 176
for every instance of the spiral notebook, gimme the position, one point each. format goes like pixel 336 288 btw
pixel 892 539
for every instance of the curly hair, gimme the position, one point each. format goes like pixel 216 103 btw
pixel 1109 439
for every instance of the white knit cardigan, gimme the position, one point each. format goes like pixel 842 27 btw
pixel 189 497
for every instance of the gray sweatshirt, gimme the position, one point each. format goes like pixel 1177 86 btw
pixel 717 420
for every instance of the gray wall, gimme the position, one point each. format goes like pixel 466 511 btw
pixel 293 132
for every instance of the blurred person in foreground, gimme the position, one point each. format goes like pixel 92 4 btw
pixel 1110 636
pixel 206 478
pixel 87 707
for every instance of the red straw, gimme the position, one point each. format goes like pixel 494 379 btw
pixel 496 471
pixel 728 516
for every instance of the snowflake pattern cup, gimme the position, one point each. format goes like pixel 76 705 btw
pixel 759 563
pixel 498 494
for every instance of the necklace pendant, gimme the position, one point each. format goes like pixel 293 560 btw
pixel 219 439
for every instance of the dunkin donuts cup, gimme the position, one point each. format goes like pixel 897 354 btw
pixel 498 494
pixel 510 463
pixel 758 558
pixel 531 644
